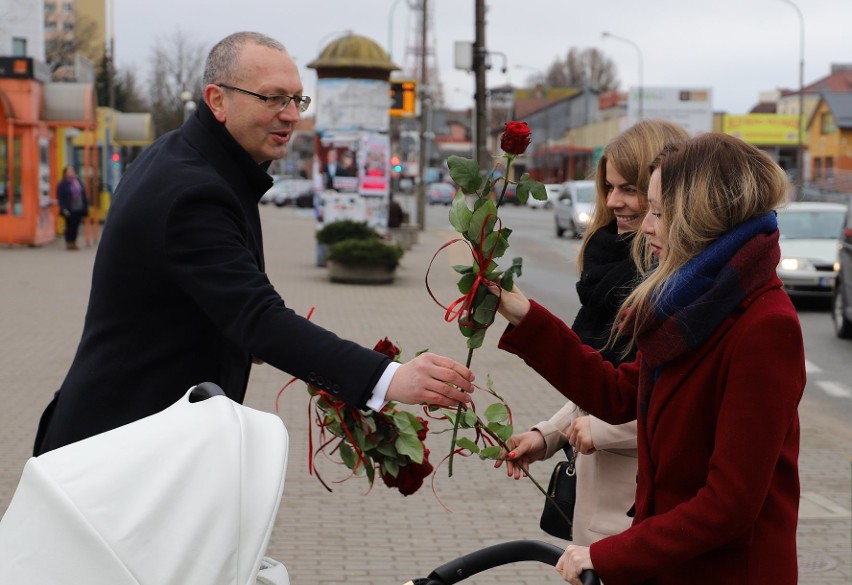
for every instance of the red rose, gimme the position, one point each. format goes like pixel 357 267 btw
pixel 421 434
pixel 386 347
pixel 410 477
pixel 516 138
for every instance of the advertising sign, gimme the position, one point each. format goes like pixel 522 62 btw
pixel 690 107
pixel 352 104
pixel 763 129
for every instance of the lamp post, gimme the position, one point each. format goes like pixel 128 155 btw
pixel 800 151
pixel 390 28
pixel 639 54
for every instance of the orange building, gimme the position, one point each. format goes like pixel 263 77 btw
pixel 29 166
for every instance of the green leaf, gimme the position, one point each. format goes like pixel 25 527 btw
pixel 466 282
pixel 463 268
pixel 475 339
pixel 466 330
pixel 486 310
pixel 538 191
pixel 497 413
pixel 465 443
pixel 509 275
pixel 347 454
pixel 502 431
pixel 482 222
pixel 465 173
pixel 386 450
pixel 371 473
pixel 523 192
pixel 496 243
pixel 491 452
pixel 469 419
pixel 410 446
pixel 390 466
pixel 460 215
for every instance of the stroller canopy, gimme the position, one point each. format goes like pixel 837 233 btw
pixel 184 497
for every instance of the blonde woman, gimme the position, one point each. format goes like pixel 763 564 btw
pixel 716 384
pixel 606 461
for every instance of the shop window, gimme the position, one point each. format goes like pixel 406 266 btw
pixel 10 179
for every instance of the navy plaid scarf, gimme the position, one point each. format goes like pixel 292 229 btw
pixel 704 292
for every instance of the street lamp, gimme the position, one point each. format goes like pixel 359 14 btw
pixel 639 54
pixel 188 104
pixel 800 151
pixel 390 28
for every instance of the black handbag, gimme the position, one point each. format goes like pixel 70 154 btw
pixel 562 494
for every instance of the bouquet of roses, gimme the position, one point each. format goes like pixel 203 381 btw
pixel 388 443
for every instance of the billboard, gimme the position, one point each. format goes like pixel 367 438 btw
pixel 763 129
pixel 352 104
pixel 691 107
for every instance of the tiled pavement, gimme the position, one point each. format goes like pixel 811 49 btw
pixel 381 537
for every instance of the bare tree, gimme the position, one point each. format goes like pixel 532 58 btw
pixel 579 68
pixel 177 64
pixel 61 50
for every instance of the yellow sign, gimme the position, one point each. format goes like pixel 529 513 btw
pixel 403 98
pixel 763 129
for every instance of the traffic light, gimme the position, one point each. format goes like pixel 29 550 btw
pixel 402 98
pixel 396 164
pixel 116 160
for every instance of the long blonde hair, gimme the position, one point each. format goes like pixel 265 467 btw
pixel 709 184
pixel 631 153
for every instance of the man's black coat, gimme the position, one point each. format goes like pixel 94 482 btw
pixel 179 295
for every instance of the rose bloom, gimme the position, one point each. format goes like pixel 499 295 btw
pixel 410 477
pixel 516 138
pixel 386 347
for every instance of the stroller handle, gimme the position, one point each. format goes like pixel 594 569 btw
pixel 204 391
pixel 501 554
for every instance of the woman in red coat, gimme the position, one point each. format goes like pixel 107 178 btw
pixel 716 384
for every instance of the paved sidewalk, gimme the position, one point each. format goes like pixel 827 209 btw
pixel 381 537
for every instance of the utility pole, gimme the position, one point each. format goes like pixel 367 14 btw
pixel 425 104
pixel 479 54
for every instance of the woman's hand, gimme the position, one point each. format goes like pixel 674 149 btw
pixel 579 435
pixel 574 561
pixel 525 448
pixel 513 304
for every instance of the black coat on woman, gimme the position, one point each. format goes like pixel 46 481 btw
pixel 179 295
pixel 609 275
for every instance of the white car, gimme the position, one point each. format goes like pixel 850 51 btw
pixel 574 208
pixel 554 190
pixel 286 191
pixel 810 231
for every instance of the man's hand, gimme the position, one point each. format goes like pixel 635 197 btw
pixel 524 449
pixel 431 379
pixel 579 435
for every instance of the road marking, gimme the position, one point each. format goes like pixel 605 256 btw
pixel 835 389
pixel 812 368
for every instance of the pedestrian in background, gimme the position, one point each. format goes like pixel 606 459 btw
pixel 73 205
pixel 179 294
pixel 715 388
pixel 606 461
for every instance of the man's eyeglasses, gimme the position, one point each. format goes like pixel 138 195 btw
pixel 274 102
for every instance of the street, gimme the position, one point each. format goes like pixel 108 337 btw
pixel 357 535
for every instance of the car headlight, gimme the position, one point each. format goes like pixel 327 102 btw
pixel 796 264
pixel 583 217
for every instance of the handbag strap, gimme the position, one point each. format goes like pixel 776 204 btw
pixel 571 468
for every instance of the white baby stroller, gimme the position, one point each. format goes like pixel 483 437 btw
pixel 184 497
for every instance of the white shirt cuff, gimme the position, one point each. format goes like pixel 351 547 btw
pixel 377 399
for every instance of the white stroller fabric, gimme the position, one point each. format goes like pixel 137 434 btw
pixel 188 496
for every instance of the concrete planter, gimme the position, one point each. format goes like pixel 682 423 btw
pixel 364 274
pixel 405 235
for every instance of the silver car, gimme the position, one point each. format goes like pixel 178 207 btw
pixel 809 233
pixel 842 305
pixel 574 208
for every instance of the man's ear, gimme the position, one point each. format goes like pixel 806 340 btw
pixel 215 98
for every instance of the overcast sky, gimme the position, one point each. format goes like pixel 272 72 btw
pixel 738 48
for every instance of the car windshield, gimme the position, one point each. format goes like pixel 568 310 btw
pixel 810 224
pixel 586 194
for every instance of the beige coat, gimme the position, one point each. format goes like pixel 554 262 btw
pixel 606 479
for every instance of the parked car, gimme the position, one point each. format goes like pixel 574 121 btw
pixel 809 233
pixel 287 190
pixel 511 195
pixel 440 193
pixel 842 302
pixel 267 197
pixel 574 208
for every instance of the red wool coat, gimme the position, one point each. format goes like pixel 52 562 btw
pixel 718 488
